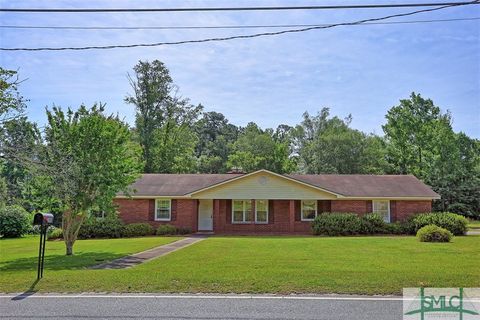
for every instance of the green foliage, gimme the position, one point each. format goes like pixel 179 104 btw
pixel 215 139
pixel 373 223
pixel 341 224
pixel 184 230
pixel 421 141
pixel 54 233
pixel 3 192
pixel 163 121
pixel 257 149
pixel 455 223
pixel 396 228
pixel 166 229
pixel 109 227
pixel 336 224
pixel 20 142
pixel 137 230
pixel 331 146
pixel 90 157
pixel 12 104
pixel 433 233
pixel 14 222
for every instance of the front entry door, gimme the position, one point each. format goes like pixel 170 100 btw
pixel 205 215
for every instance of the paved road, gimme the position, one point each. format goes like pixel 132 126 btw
pixel 198 307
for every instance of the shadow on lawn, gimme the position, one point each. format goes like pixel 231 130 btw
pixel 29 292
pixel 61 262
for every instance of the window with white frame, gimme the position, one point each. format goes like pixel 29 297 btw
pixel 241 211
pixel 163 210
pixel 261 211
pixel 309 210
pixel 382 207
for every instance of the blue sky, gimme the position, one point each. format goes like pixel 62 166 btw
pixel 358 70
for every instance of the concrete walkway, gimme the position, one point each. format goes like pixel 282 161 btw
pixel 137 258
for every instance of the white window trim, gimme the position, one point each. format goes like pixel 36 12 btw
pixel 244 211
pixel 301 210
pixel 388 206
pixel 261 222
pixel 169 210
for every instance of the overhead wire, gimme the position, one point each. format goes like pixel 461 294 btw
pixel 249 36
pixel 225 26
pixel 259 8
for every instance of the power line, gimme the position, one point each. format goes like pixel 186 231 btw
pixel 226 27
pixel 255 35
pixel 329 7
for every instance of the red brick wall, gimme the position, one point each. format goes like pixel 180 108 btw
pixel 278 221
pixel 399 210
pixel 184 212
pixel 355 206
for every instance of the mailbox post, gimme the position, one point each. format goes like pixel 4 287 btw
pixel 43 220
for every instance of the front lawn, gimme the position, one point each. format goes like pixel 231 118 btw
pixel 18 257
pixel 363 265
pixel 474 224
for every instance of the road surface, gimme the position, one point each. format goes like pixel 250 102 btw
pixel 190 307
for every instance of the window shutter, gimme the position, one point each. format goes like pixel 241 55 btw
pixel 393 211
pixel 271 213
pixel 173 209
pixel 151 209
pixel 298 210
pixel 369 206
pixel 228 209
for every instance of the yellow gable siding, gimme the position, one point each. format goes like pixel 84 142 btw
pixel 263 185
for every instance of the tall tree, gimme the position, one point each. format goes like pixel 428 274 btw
pixel 12 104
pixel 215 138
pixel 163 120
pixel 3 192
pixel 256 149
pixel 90 157
pixel 421 141
pixel 411 131
pixel 329 145
pixel 20 141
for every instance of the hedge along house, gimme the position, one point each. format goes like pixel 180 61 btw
pixel 267 202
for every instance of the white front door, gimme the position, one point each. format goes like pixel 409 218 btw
pixel 205 215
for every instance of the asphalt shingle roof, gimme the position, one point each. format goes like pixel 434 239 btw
pixel 347 185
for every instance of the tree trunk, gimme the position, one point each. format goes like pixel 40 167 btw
pixel 69 247
pixel 71 223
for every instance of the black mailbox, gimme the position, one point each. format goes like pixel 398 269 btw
pixel 42 219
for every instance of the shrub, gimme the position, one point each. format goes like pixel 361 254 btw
pixel 408 225
pixel 54 233
pixel 14 222
pixel 395 228
pixel 137 230
pixel 336 224
pixel 372 223
pixel 454 223
pixel 109 227
pixel 433 233
pixel 183 230
pixel 166 229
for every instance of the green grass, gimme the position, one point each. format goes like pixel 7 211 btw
pixel 474 224
pixel 364 265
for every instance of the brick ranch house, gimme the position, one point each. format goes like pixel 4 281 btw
pixel 267 202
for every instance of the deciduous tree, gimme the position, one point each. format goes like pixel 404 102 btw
pixel 163 121
pixel 90 157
